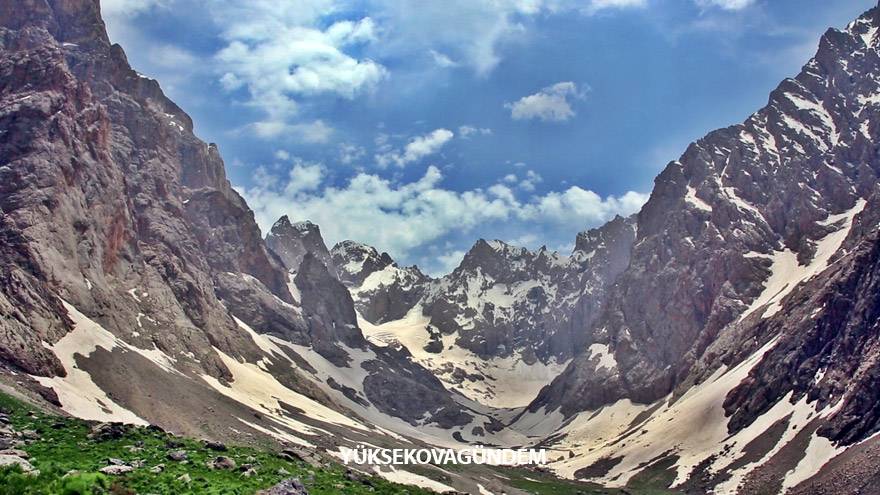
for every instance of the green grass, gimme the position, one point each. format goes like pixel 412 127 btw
pixel 64 447
pixel 69 460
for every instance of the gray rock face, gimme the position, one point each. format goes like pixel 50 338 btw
pixel 105 191
pixel 109 202
pixel 382 290
pixel 720 223
pixel 829 339
pixel 291 241
pixel 501 300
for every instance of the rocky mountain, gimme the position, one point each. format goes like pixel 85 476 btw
pixel 731 311
pixel 136 285
pixel 382 290
pixel 722 340
pixel 504 322
pixel 291 242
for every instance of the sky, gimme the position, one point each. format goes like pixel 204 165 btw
pixel 420 126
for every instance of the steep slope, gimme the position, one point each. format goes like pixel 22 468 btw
pixel 291 242
pixel 740 205
pixel 382 290
pixel 726 361
pixel 135 283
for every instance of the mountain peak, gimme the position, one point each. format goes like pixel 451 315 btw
pixel 357 261
pixel 291 241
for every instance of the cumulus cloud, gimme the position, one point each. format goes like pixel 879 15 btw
pixel 532 178
pixel 466 131
pixel 280 53
pixel 725 4
pixel 418 148
pixel 350 153
pixel 550 104
pixel 400 218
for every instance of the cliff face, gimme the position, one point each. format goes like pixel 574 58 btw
pixel 756 205
pixel 742 301
pixel 122 234
pixel 105 190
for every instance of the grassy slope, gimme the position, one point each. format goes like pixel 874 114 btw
pixel 65 446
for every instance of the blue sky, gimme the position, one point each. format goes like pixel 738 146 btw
pixel 420 126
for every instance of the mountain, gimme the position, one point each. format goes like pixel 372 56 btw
pixel 503 323
pixel 291 241
pixel 136 285
pixel 724 317
pixel 382 290
pixel 722 340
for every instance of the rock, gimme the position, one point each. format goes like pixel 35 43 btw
pixel 221 462
pixel 116 470
pixel 178 455
pixel 173 444
pixel 295 453
pixel 184 478
pixel 158 468
pixel 115 462
pixel 352 475
pixel 108 431
pixel 30 435
pixel 291 241
pixel 249 472
pixel 10 460
pixel 15 452
pixel 290 486
pixel 215 446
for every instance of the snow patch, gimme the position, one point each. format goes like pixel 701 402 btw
pixel 785 270
pixel 818 453
pixel 408 478
pixel 606 358
pixel 78 393
pixel 693 200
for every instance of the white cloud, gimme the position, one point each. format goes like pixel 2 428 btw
pixel 306 132
pixel 350 153
pixel 467 32
pixel 304 177
pixel 442 60
pixel 550 104
pixel 282 53
pixel 598 5
pixel 466 131
pixel 418 148
pixel 127 8
pixel 725 4
pixel 171 57
pixel 401 218
pixel 532 178
pixel 449 261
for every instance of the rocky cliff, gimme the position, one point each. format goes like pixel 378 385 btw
pixel 136 284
